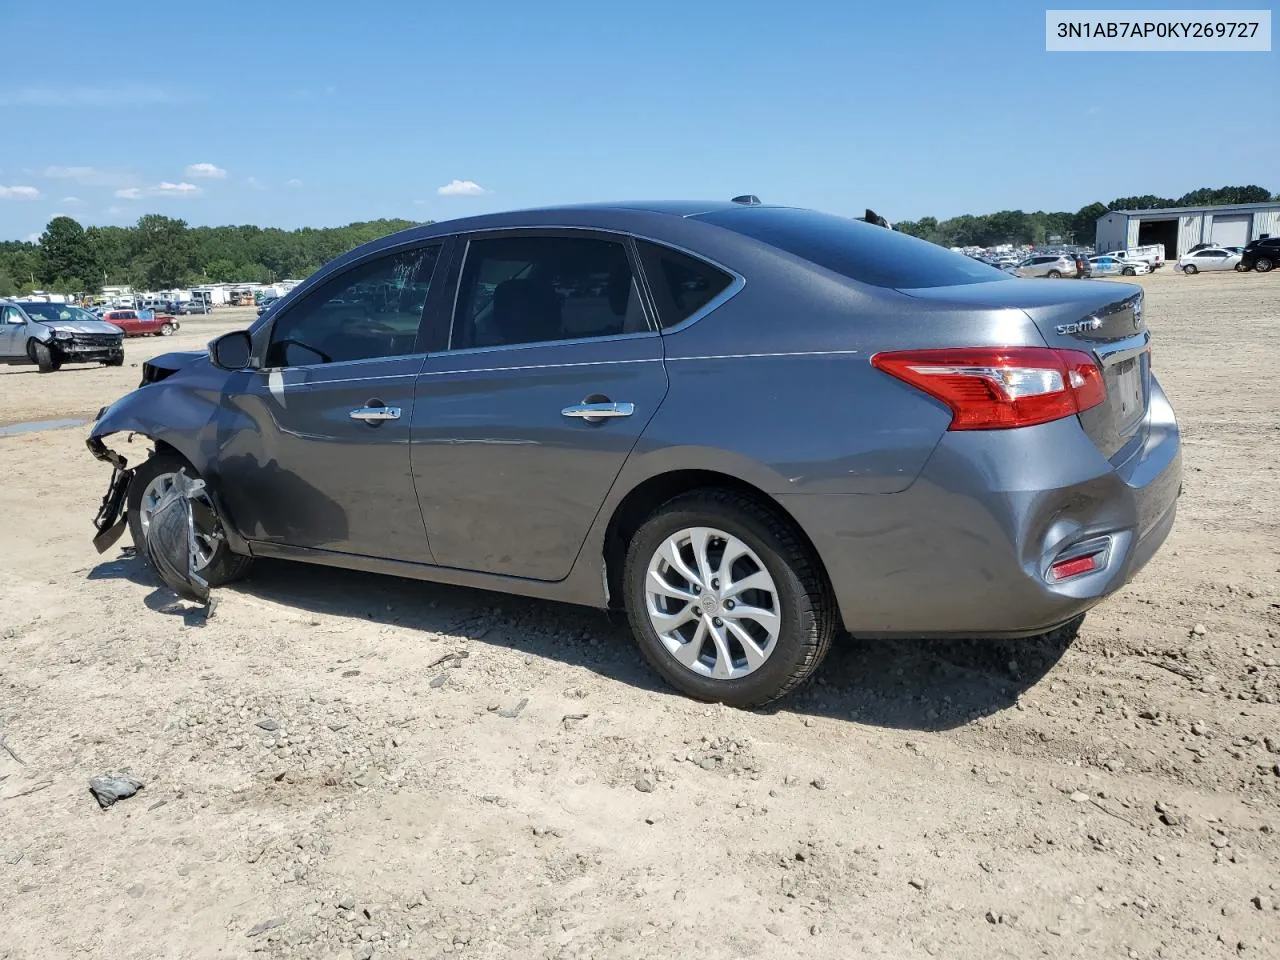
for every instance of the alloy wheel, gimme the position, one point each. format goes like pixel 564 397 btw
pixel 206 546
pixel 713 603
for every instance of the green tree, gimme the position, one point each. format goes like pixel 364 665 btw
pixel 1084 225
pixel 1225 195
pixel 1147 201
pixel 8 287
pixel 65 252
pixel 163 251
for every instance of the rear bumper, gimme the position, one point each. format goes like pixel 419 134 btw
pixel 964 551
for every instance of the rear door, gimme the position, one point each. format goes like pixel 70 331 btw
pixel 313 448
pixel 551 369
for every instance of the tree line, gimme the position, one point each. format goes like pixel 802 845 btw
pixel 1017 227
pixel 160 253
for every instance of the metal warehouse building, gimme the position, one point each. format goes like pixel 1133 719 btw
pixel 1181 228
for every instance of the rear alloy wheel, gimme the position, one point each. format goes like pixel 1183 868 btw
pixel 1263 264
pixel 1190 269
pixel 726 601
pixel 1054 274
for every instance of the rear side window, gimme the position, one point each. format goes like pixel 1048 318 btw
pixel 860 251
pixel 682 285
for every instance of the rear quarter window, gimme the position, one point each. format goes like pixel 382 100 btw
pixel 860 251
pixel 682 285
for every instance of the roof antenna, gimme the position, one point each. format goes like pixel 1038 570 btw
pixel 747 200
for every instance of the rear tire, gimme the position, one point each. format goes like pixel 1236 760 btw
pixel 1054 274
pixel 795 590
pixel 1263 264
pixel 1190 269
pixel 43 357
pixel 224 566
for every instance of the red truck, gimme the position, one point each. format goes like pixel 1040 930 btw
pixel 141 323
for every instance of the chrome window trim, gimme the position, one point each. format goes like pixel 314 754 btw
pixel 736 283
pixel 464 351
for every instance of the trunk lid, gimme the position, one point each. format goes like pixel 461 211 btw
pixel 1101 318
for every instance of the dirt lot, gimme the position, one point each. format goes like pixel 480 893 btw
pixel 319 783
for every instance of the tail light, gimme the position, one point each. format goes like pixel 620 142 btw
pixel 997 388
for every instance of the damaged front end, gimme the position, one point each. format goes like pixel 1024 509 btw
pixel 175 409
pixel 111 519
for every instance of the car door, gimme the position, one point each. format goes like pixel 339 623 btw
pixel 313 445
pixel 551 370
pixel 13 332
pixel 1211 260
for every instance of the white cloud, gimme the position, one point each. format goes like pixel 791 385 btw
pixel 18 193
pixel 461 188
pixel 254 183
pixel 72 200
pixel 209 170
pixel 84 97
pixel 31 238
pixel 295 182
pixel 167 189
pixel 162 189
pixel 115 211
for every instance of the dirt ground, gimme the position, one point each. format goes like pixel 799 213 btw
pixel 320 782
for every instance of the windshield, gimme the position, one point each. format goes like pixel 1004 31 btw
pixel 57 311
pixel 866 253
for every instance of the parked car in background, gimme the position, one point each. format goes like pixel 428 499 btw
pixel 1261 255
pixel 192 307
pixel 142 323
pixel 1047 265
pixel 993 457
pixel 1084 269
pixel 1109 265
pixel 265 304
pixel 1210 258
pixel 51 334
pixel 1151 254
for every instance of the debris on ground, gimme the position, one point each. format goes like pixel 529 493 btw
pixel 107 790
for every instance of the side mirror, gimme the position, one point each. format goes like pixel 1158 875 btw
pixel 231 351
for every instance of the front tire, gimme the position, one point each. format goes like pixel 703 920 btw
pixel 166 330
pixel 147 486
pixel 725 599
pixel 1130 272
pixel 43 357
pixel 1190 269
pixel 1263 264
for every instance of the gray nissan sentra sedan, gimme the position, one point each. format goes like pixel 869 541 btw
pixel 752 427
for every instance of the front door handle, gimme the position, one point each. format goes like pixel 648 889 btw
pixel 595 412
pixel 375 414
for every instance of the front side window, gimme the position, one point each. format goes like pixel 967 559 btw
pixel 682 285
pixel 538 289
pixel 373 310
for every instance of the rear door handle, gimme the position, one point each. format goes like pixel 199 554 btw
pixel 375 414
pixel 599 411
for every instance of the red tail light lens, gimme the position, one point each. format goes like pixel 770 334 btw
pixel 997 388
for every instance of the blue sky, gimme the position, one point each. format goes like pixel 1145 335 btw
pixel 320 113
